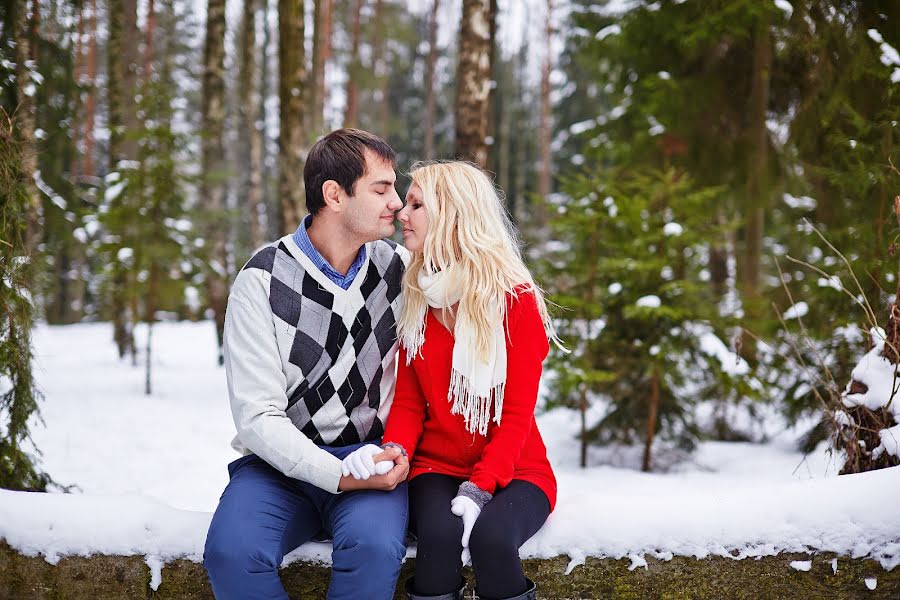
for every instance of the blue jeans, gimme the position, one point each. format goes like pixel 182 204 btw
pixel 263 515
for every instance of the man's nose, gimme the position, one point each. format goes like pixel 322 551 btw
pixel 396 203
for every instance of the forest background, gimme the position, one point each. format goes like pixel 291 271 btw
pixel 705 188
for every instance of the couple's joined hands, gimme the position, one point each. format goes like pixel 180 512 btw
pixel 373 468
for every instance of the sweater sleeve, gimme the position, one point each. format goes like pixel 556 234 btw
pixel 406 420
pixel 527 347
pixel 257 390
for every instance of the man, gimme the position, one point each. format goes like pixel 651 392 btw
pixel 310 347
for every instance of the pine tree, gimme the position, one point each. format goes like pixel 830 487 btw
pixel 629 261
pixel 18 393
pixel 473 75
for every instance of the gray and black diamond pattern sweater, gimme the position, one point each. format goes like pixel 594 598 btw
pixel 309 363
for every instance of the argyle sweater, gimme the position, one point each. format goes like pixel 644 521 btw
pixel 309 363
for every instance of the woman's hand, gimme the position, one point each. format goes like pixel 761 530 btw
pixel 465 507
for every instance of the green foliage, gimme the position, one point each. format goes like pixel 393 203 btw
pixel 630 266
pixel 18 393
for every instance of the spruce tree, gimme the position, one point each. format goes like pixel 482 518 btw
pixel 18 392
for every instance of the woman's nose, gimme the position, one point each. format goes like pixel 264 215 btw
pixel 402 216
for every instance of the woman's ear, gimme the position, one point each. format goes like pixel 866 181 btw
pixel 333 194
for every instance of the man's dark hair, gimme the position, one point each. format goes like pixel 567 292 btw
pixel 341 156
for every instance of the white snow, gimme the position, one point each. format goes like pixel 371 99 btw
pixel 801 202
pixel 673 229
pixel 608 31
pixel 796 311
pixel 614 288
pixel 786 7
pixel 150 471
pixel 871 582
pixel 880 377
pixel 801 565
pixel 650 301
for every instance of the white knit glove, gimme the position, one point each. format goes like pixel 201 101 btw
pixel 361 465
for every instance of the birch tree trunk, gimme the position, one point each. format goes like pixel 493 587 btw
pixel 430 62
pixel 473 81
pixel 213 165
pixel 545 166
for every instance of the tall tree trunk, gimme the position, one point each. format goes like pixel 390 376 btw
pixel 351 112
pixel 151 302
pixel 292 74
pixel 87 165
pixel 652 413
pixel 758 186
pixel 318 93
pixel 120 76
pixel 267 90
pixel 25 36
pixel 213 163
pixel 473 81
pixel 430 62
pixel 148 39
pixel 251 133
pixel 379 69
pixel 545 177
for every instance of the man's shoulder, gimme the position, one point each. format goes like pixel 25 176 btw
pixel 265 257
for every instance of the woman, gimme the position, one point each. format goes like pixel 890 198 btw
pixel 473 333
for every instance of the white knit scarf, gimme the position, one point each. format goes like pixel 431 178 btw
pixel 473 382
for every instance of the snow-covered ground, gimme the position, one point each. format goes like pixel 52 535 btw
pixel 149 471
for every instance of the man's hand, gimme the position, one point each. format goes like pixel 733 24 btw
pixel 386 482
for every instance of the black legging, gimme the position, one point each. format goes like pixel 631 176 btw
pixel 513 515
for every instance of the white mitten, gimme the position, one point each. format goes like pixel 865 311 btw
pixel 465 507
pixel 360 464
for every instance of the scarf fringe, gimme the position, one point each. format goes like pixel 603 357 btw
pixel 475 409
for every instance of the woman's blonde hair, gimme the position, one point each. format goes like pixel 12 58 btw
pixel 468 228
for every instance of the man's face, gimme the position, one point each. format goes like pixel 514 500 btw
pixel 370 211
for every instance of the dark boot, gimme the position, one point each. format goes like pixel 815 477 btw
pixel 412 595
pixel 529 594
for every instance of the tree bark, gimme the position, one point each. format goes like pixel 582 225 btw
pixel 652 412
pixel 87 165
pixel 757 181
pixel 473 81
pixel 430 62
pixel 545 178
pixel 318 93
pixel 26 42
pixel 213 163
pixel 251 130
pixel 379 69
pixel 292 74
pixel 351 112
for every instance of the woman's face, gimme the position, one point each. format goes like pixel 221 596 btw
pixel 414 220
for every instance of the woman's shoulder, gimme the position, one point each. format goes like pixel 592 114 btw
pixel 521 298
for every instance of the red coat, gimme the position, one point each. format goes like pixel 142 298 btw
pixel 437 441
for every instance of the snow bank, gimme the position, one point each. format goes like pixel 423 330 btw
pixel 851 515
pixel 878 375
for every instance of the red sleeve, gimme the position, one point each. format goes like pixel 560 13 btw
pixel 407 416
pixel 527 347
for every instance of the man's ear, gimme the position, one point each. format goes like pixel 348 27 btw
pixel 334 195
